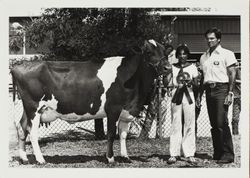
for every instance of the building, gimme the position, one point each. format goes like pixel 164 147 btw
pixel 190 29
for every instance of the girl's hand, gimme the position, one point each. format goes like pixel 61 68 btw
pixel 198 102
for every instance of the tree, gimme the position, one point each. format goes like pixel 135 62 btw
pixel 92 33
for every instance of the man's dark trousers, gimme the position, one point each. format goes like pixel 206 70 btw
pixel 218 116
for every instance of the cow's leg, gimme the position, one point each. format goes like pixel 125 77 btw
pixel 34 139
pixel 125 120
pixel 22 133
pixel 111 133
pixel 99 131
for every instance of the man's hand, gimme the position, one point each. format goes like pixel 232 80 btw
pixel 229 99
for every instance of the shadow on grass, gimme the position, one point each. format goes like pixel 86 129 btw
pixel 64 159
pixel 161 157
pixel 73 159
pixel 189 166
pixel 73 136
pixel 70 135
pixel 203 156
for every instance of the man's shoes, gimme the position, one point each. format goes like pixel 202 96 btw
pixel 216 157
pixel 225 161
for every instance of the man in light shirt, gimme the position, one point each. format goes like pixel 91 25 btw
pixel 218 67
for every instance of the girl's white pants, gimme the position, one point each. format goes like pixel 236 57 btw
pixel 186 142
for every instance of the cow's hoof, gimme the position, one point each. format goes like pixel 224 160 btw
pixel 40 162
pixel 126 160
pixel 110 160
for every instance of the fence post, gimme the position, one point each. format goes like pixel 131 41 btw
pixel 160 86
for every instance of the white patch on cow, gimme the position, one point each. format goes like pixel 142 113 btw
pixel 126 117
pixel 91 105
pixel 152 42
pixel 22 155
pixel 107 73
pixel 110 160
pixel 124 122
pixel 34 130
pixel 49 103
pixel 47 110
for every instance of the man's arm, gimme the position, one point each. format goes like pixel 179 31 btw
pixel 199 90
pixel 231 72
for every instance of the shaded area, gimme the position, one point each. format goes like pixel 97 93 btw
pixel 71 135
pixel 79 150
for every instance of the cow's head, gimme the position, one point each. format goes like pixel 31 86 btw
pixel 144 68
pixel 154 55
pixel 146 65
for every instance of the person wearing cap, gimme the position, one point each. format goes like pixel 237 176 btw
pixel 184 80
pixel 218 67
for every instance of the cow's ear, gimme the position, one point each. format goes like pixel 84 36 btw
pixel 152 42
pixel 149 45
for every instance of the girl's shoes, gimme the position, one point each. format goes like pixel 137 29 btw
pixel 191 160
pixel 172 160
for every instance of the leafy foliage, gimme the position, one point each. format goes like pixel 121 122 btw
pixel 93 33
pixel 16 41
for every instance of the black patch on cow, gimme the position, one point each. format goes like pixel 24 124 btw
pixel 130 84
pixel 61 69
pixel 79 89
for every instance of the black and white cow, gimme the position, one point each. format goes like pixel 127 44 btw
pixel 116 88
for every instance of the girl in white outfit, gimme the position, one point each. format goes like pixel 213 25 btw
pixel 184 80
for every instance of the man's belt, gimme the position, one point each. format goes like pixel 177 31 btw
pixel 215 84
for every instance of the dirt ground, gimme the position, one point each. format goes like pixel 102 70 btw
pixel 79 150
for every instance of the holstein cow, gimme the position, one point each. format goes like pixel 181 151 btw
pixel 116 88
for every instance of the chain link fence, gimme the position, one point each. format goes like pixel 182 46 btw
pixel 60 126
